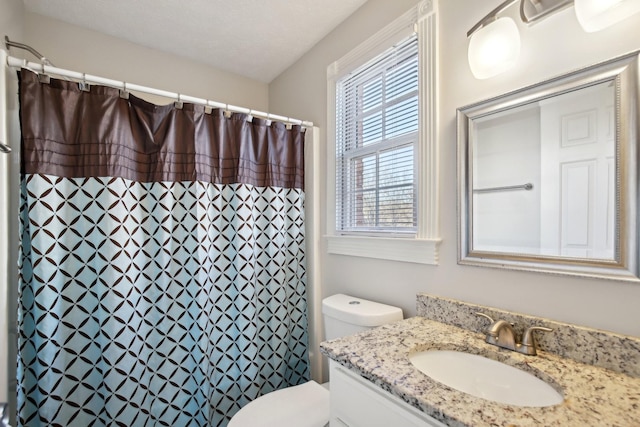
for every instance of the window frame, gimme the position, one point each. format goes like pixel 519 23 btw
pixel 421 246
pixel 351 118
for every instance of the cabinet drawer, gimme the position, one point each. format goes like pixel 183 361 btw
pixel 356 402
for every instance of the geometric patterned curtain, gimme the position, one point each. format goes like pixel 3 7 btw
pixel 154 302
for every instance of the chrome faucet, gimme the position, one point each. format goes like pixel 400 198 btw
pixel 502 334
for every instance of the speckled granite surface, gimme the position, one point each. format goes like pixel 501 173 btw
pixel 599 348
pixel 593 396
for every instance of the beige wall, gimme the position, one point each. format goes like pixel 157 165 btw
pixel 79 49
pixel 11 16
pixel 549 48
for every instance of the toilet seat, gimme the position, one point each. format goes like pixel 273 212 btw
pixel 305 405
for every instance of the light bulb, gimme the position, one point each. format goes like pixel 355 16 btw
pixel 494 48
pixel 595 15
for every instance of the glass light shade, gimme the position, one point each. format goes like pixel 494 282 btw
pixel 494 48
pixel 595 15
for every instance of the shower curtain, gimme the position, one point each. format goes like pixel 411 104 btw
pixel 162 265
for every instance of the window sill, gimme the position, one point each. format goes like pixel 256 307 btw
pixel 419 251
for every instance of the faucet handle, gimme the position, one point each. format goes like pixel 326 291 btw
pixel 477 313
pixel 486 316
pixel 528 345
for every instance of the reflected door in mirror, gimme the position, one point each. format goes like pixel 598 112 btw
pixel 578 175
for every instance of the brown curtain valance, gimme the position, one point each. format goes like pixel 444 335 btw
pixel 72 133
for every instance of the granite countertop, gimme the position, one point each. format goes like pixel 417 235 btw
pixel 593 396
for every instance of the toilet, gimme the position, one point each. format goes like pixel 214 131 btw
pixel 307 405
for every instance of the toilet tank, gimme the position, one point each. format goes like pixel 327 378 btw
pixel 345 315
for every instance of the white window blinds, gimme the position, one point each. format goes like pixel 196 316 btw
pixel 376 137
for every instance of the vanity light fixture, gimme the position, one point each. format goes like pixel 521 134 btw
pixel 595 15
pixel 494 48
pixel 494 44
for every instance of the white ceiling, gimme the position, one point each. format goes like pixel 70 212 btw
pixel 255 38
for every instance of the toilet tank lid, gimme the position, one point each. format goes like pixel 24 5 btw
pixel 359 311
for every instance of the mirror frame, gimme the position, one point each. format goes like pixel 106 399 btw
pixel 623 72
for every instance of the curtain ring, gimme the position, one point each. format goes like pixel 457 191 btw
pixel 178 104
pixel 83 85
pixel 123 92
pixel 43 78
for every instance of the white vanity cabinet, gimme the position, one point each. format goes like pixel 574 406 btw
pixel 356 402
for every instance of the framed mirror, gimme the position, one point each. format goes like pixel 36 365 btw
pixel 547 175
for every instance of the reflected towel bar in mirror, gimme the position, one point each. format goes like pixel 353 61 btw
pixel 528 186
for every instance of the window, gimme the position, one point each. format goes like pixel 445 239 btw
pixel 383 144
pixel 376 139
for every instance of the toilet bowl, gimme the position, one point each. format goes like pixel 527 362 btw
pixel 301 405
pixel 307 405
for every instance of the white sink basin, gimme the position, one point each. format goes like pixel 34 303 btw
pixel 485 378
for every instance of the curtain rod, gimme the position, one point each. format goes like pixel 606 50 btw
pixel 88 78
pixel 9 44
